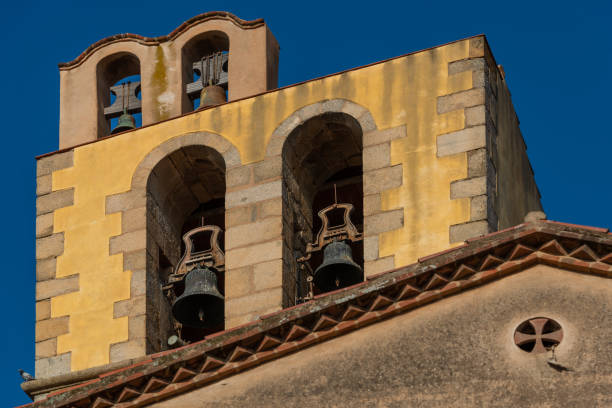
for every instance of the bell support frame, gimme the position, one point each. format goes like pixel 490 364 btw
pixel 213 257
pixel 347 231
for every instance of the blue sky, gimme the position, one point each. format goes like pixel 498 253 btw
pixel 556 55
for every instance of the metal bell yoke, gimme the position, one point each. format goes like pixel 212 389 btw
pixel 338 269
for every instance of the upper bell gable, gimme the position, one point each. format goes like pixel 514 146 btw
pixel 253 68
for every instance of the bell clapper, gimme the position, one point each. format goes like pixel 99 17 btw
pixel 201 314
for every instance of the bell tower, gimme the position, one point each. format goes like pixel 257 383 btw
pixel 191 196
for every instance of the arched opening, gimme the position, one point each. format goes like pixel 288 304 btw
pixel 194 64
pixel 119 92
pixel 322 163
pixel 184 190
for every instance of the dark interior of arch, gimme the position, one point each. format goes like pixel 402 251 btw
pixel 199 46
pixel 109 71
pixel 323 152
pixel 184 189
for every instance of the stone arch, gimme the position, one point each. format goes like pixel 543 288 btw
pixel 228 151
pixel 379 175
pixel 134 243
pixel 282 131
pixel 320 156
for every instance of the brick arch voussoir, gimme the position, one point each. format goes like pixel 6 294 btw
pixel 282 132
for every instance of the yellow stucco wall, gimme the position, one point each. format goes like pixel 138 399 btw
pixel 398 92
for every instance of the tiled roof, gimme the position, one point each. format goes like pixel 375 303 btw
pixel 477 262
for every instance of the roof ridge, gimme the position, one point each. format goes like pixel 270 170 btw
pixel 478 262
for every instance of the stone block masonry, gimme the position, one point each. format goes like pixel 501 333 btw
pixel 380 176
pixel 254 254
pixel 477 140
pixel 50 245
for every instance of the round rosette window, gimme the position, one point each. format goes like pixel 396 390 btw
pixel 538 335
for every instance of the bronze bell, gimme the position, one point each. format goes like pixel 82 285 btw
pixel 125 122
pixel 338 269
pixel 201 304
pixel 211 95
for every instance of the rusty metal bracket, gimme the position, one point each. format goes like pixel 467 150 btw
pixel 309 282
pixel 211 257
pixel 344 231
